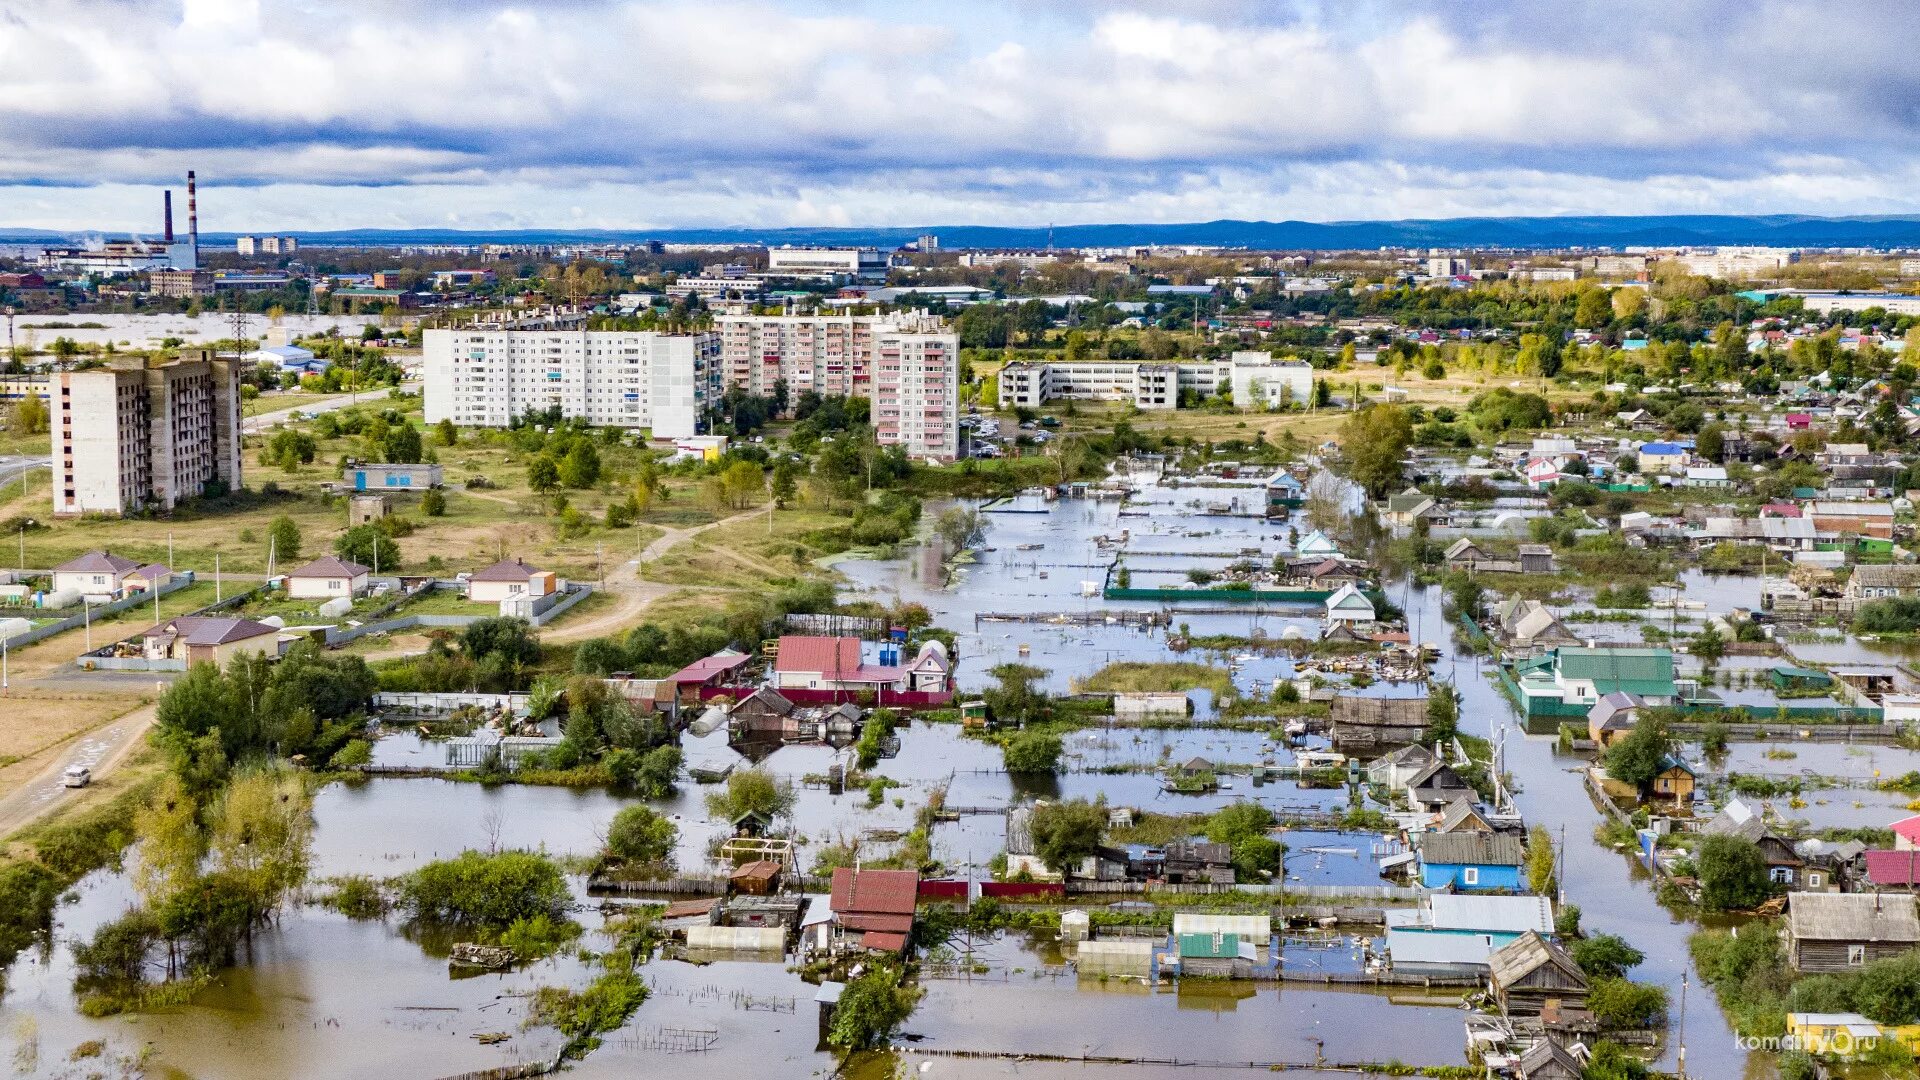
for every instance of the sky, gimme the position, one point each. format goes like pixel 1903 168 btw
pixel 634 114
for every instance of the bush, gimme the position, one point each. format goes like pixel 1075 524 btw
pixel 1032 753
pixel 1733 874
pixel 476 888
pixel 1619 1004
pixel 639 834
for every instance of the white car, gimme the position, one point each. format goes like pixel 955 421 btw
pixel 77 776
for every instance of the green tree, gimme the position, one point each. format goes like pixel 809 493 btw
pixel 581 467
pixel 1712 442
pixel 1016 700
pixel 1708 645
pixel 448 434
pixel 31 416
pixel 1733 874
pixel 1443 711
pixel 1610 1060
pixel 481 889
pixel 961 527
pixel 751 791
pixel 369 546
pixel 283 539
pixel 402 444
pixel 641 835
pixel 1064 833
pixel 1605 956
pixel 543 475
pixel 1622 1005
pixel 1374 442
pixel 1888 990
pixel 1642 755
pixel 1032 753
pixel 508 639
pixel 870 1007
pixel 433 503
pixel 1540 861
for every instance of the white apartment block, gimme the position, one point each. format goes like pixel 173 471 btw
pixel 129 437
pixel 483 377
pixel 1253 378
pixel 1446 266
pixel 1732 262
pixel 826 263
pixel 906 364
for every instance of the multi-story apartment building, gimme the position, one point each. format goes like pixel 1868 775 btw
pixel 133 437
pixel 906 363
pixel 916 392
pixel 1736 262
pixel 1253 378
pixel 484 377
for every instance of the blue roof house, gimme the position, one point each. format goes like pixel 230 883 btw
pixel 1472 862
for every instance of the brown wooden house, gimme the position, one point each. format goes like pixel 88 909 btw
pixel 1530 971
pixel 1377 722
pixel 1548 1060
pixel 1838 932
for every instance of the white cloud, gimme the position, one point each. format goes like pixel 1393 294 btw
pixel 739 111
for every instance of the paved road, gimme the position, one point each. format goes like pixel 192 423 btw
pixel 14 465
pixel 253 425
pixel 100 750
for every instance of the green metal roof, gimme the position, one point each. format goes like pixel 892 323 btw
pixel 1788 671
pixel 1209 946
pixel 1637 671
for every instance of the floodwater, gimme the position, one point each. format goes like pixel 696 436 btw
pixel 325 996
pixel 147 331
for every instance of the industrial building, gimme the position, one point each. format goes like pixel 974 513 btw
pixel 480 377
pixel 826 264
pixel 119 258
pixel 132 437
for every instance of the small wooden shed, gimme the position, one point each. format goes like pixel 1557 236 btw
pixel 1530 971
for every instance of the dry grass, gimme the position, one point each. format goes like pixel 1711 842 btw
pixel 742 554
pixel 41 722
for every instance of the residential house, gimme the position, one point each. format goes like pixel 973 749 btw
pixel 1216 956
pixel 97 575
pixel 1464 554
pixel 760 877
pixel 1365 721
pixel 1536 559
pixel 147 578
pixel 1674 782
pixel 1906 833
pixel 1530 624
pixel 1284 492
pixel 705 673
pixel 1838 932
pixel 1831 866
pixel 1022 860
pixel 763 714
pixel 1397 767
pixel 1408 507
pixel 1471 861
pixel 1199 862
pixel 1891 871
pixel 1523 977
pixel 510 579
pixel 1436 786
pixel 1546 1059
pixel 1612 717
pixel 1661 457
pixel 1461 930
pixel 1349 605
pixel 1579 676
pixel 1847 1034
pixel 209 639
pixel 1316 543
pixel 814 662
pixel 1463 815
pixel 1711 477
pixel 874 909
pixel 1878 581
pixel 1848 518
pixel 326 578
pixel 1741 821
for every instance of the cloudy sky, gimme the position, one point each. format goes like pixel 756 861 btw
pixel 308 115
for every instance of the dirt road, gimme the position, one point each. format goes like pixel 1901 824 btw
pixel 101 750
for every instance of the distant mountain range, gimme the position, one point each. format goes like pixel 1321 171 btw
pixel 1774 230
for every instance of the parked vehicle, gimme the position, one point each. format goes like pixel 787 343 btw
pixel 77 776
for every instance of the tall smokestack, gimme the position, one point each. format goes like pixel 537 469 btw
pixel 193 214
pixel 166 200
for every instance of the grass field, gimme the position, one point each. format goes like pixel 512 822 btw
pixel 742 554
pixel 41 720
pixel 267 403
pixel 1130 676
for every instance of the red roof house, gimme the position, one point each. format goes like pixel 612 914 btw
pixel 873 909
pixel 1899 870
pixel 1906 833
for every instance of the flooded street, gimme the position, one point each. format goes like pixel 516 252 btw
pixel 360 996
